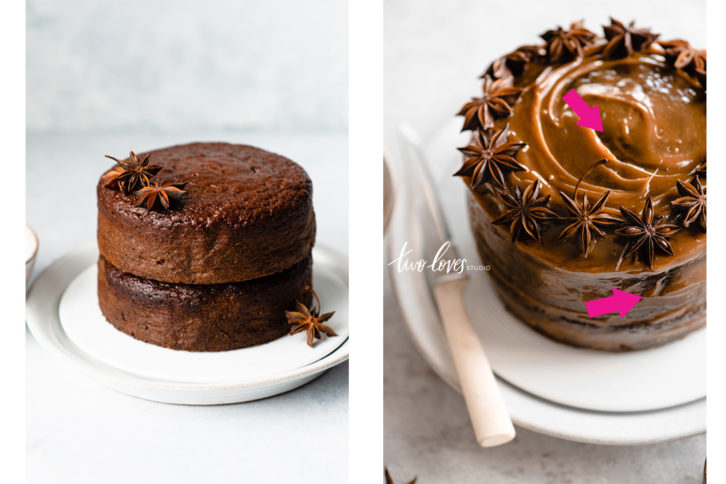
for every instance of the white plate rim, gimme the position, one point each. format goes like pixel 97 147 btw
pixel 115 377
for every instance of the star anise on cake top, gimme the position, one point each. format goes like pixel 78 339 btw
pixel 159 195
pixel 681 55
pixel 488 157
pixel 645 234
pixel 526 210
pixel 514 63
pixel 701 170
pixel 496 102
pixel 692 203
pixel 586 218
pixel 130 174
pixel 623 40
pixel 564 45
pixel 310 320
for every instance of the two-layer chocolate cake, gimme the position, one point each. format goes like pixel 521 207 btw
pixel 204 246
pixel 563 212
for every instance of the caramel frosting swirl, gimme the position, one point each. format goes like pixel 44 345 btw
pixel 654 130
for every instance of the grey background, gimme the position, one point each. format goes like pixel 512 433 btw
pixel 109 76
pixel 434 53
pixel 100 65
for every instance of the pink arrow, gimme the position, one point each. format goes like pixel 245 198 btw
pixel 620 302
pixel 589 117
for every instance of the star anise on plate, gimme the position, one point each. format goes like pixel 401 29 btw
pixel 623 40
pixel 564 45
pixel 496 102
pixel 163 194
pixel 692 202
pixel 681 55
pixel 645 234
pixel 525 211
pixel 131 173
pixel 389 479
pixel 309 319
pixel 586 218
pixel 487 159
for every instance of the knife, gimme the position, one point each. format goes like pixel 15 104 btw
pixel 489 416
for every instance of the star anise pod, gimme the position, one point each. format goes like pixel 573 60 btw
pixel 701 76
pixel 681 55
pixel 624 40
pixel 389 479
pixel 130 174
pixel 701 170
pixel 496 102
pixel 487 158
pixel 585 218
pixel 164 194
pixel 525 210
pixel 645 233
pixel 309 319
pixel 692 201
pixel 564 45
pixel 514 63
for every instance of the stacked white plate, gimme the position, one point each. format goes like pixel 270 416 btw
pixel 63 315
pixel 577 394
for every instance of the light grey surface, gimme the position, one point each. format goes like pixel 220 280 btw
pixel 81 432
pixel 433 57
pixel 156 64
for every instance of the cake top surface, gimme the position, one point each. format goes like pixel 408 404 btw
pixel 651 100
pixel 235 184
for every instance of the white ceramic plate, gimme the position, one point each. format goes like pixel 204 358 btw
pixel 31 252
pixel 152 376
pixel 559 390
pixel 85 325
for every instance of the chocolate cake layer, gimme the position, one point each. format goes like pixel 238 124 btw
pixel 652 105
pixel 247 213
pixel 213 317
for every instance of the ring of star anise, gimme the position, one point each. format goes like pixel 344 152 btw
pixel 564 45
pixel 514 63
pixel 681 55
pixel 645 234
pixel 701 170
pixel 525 211
pixel 585 218
pixel 623 40
pixel 692 203
pixel 496 102
pixel 488 158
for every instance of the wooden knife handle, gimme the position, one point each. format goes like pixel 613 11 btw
pixel 489 416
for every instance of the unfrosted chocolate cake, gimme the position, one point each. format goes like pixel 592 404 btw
pixel 564 213
pixel 204 246
pixel 202 317
pixel 247 213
